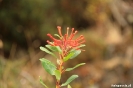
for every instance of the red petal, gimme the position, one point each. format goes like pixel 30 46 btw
pixel 51 37
pixel 59 30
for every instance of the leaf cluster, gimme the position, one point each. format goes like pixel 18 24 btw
pixel 52 69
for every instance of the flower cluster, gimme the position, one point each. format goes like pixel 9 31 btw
pixel 66 42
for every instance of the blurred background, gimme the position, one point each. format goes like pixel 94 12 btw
pixel 106 24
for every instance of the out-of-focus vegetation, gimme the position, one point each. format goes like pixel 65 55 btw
pixel 106 24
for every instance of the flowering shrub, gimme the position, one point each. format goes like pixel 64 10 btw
pixel 67 48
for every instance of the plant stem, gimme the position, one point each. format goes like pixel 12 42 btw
pixel 57 84
pixel 60 66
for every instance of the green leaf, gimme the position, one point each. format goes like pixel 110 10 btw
pixel 48 66
pixel 41 81
pixel 47 51
pixel 72 55
pixel 54 48
pixel 70 79
pixel 69 69
pixel 57 74
pixel 68 86
pixel 68 56
pixel 76 53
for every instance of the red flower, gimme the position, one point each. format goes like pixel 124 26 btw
pixel 66 42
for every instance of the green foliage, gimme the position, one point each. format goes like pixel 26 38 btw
pixel 75 53
pixel 69 69
pixel 54 48
pixel 68 56
pixel 47 51
pixel 70 79
pixel 72 55
pixel 51 68
pixel 48 66
pixel 57 74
